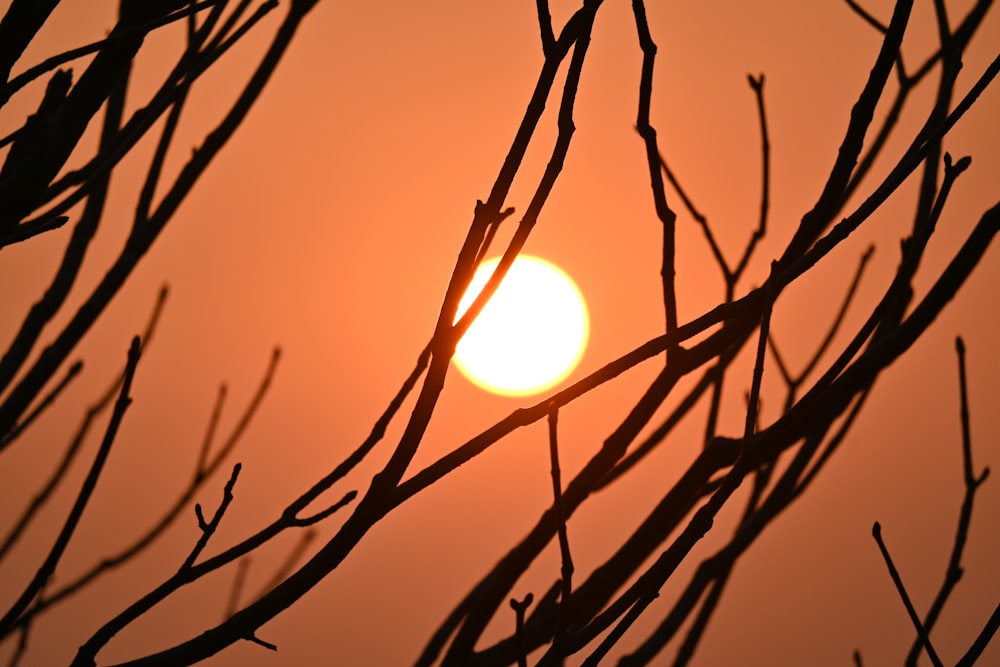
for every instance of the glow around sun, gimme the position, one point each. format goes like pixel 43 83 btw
pixel 530 335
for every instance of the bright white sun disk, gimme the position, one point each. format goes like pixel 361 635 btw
pixel 530 335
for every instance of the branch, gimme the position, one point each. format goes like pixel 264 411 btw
pixel 921 631
pixel 757 84
pixel 564 553
pixel 209 527
pixel 519 609
pixel 204 469
pixel 52 560
pixel 70 453
pixel 954 572
pixel 663 211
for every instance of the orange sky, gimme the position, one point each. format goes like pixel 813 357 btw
pixel 330 225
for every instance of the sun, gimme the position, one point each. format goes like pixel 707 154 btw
pixel 530 335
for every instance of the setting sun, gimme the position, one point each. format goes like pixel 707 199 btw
pixel 530 335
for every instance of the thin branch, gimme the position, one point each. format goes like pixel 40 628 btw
pixel 921 631
pixel 52 559
pixel 202 472
pixel 70 453
pixel 52 63
pixel 291 560
pixel 954 572
pixel 818 218
pixel 139 243
pixel 209 527
pixel 560 516
pixel 982 640
pixel 663 211
pixel 254 639
pixel 868 18
pixel 42 312
pixel 47 401
pixel 697 629
pixel 29 231
pixel 794 382
pixel 329 511
pixel 239 582
pixel 757 84
pixel 519 609
pixel 639 596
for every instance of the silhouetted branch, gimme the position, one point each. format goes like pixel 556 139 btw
pixel 819 217
pixel 954 572
pixel 203 471
pixel 69 454
pixel 519 609
pixel 921 631
pixel 663 211
pixel 49 64
pixel 564 553
pixel 647 587
pixel 209 527
pixel 73 518
pixel 143 237
pixel 982 640
pixel 45 309
pixel 869 19
pixel 592 613
pixel 757 84
pixel 698 216
pixel 545 27
pixel 47 401
pixel 329 511
pixel 794 382
pixel 239 581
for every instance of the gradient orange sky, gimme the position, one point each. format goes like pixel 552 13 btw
pixel 330 225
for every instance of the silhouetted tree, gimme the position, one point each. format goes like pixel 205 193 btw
pixel 583 613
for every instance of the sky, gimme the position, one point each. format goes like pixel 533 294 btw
pixel 329 226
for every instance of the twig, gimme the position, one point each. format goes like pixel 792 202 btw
pixel 139 243
pixel 982 640
pixel 49 64
pixel 697 629
pixel 698 217
pixel 290 561
pixel 816 220
pixel 329 511
pixel 239 581
pixel 635 600
pixel 795 381
pixel 29 231
pixel 55 295
pixel 254 639
pixel 757 84
pixel 954 572
pixel 209 527
pixel 52 559
pixel 519 609
pixel 50 398
pixel 560 517
pixel 921 631
pixel 666 216
pixel 868 18
pixel 203 471
pixel 71 451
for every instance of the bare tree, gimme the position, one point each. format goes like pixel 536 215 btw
pixel 583 616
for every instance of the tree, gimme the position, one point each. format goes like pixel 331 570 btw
pixel 750 462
